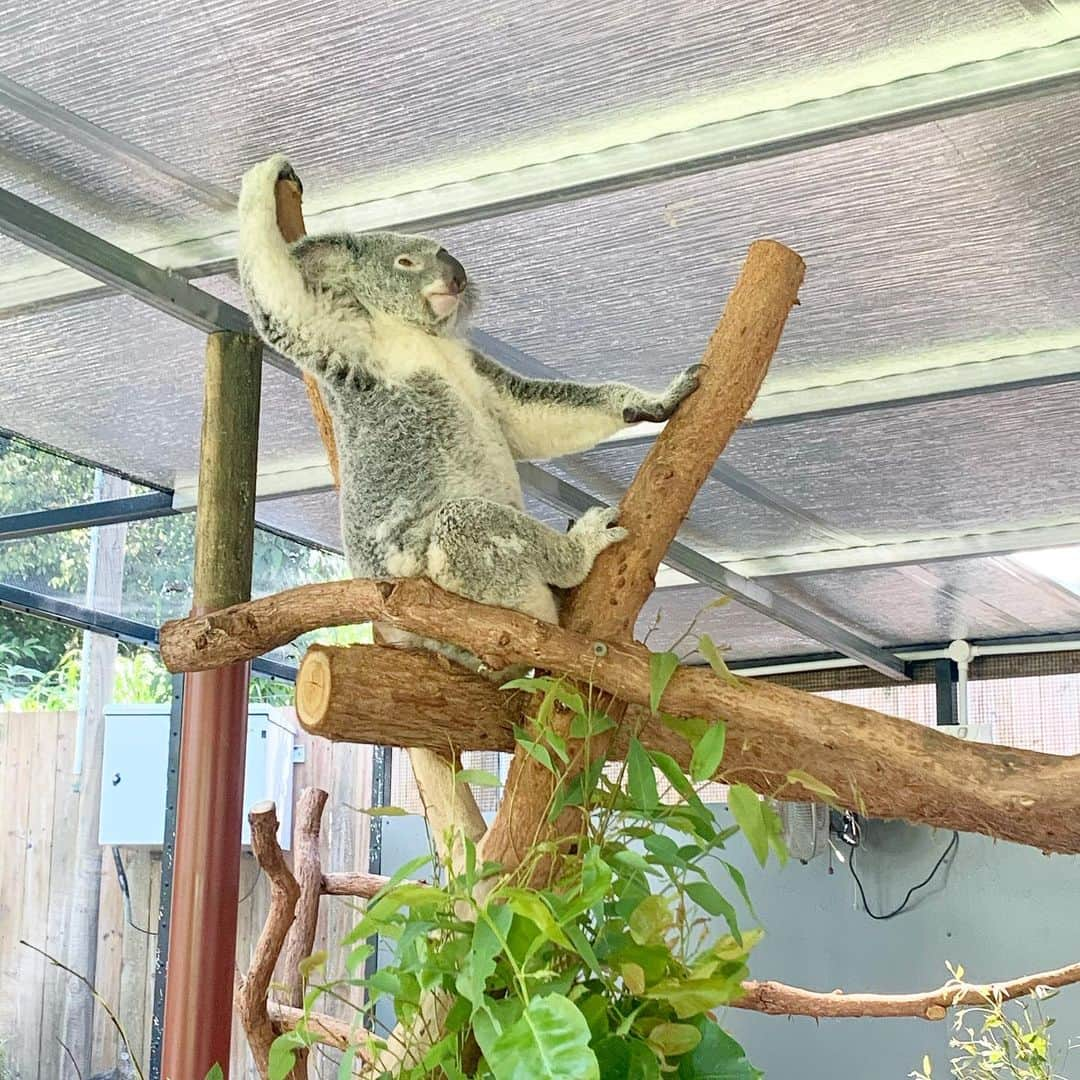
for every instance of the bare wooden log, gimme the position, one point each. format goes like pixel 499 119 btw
pixel 777 999
pixel 734 365
pixel 607 603
pixel 290 220
pixel 353 883
pixel 877 764
pixel 284 894
pixel 326 1029
pixel 307 869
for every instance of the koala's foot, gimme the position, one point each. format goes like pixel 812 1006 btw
pixel 655 410
pixel 596 529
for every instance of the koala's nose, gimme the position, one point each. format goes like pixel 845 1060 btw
pixel 453 268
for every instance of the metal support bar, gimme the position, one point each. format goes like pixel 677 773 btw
pixel 945 679
pixel 616 162
pixel 97 258
pixel 571 500
pixel 23 101
pixel 80 617
pixel 161 957
pixel 382 758
pixel 87 515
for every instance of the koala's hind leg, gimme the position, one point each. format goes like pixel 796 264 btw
pixel 496 554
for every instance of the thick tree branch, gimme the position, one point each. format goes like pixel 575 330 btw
pixel 780 1000
pixel 607 603
pixel 307 869
pixel 290 219
pixel 284 893
pixel 875 763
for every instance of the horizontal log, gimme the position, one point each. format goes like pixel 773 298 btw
pixel 778 999
pixel 876 764
pixel 353 883
pixel 880 765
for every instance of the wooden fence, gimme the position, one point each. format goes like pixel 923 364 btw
pixel 38 810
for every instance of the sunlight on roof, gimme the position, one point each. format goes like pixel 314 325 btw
pixel 1061 565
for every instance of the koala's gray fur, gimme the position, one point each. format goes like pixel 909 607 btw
pixel 427 428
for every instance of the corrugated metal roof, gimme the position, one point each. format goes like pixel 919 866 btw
pixel 942 244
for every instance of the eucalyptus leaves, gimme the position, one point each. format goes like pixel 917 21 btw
pixel 610 972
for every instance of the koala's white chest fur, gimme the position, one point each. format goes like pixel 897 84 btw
pixel 400 354
pixel 398 351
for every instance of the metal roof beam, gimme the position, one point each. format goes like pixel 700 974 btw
pixel 866 110
pixel 86 515
pixel 80 617
pixel 23 101
pixel 90 255
pixel 910 552
pixel 572 501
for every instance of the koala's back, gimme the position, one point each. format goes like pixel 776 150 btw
pixel 419 433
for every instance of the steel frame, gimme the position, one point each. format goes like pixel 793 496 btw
pixel 168 293
pixel 804 125
pixel 86 515
pixel 572 501
pixel 23 101
pixel 80 617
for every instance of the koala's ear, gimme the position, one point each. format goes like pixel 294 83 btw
pixel 322 259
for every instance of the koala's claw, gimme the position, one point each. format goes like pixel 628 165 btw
pixel 663 408
pixel 287 172
pixel 597 519
pixel 597 525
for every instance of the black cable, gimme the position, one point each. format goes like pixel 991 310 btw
pixel 953 844
pixel 125 891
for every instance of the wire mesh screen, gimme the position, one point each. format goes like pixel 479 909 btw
pixel 1040 712
pixel 406 795
pixel 1033 713
pixel 909 701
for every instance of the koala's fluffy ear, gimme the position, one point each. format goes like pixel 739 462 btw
pixel 324 260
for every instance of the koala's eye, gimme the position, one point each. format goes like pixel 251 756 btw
pixel 403 262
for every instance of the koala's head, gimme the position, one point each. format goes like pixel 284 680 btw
pixel 409 277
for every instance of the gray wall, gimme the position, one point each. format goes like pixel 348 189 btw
pixel 1001 911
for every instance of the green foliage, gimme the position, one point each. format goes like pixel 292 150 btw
pixel 40 661
pixel 999 1043
pixel 610 972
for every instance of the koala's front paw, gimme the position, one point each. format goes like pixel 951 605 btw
pixel 259 180
pixel 597 528
pixel 657 410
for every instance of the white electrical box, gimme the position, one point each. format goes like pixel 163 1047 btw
pixel 136 765
pixel 982 732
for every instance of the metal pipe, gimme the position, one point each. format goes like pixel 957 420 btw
pixel 209 817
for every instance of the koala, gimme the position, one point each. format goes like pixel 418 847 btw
pixel 429 429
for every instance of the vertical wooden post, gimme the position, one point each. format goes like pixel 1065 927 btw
pixel 202 939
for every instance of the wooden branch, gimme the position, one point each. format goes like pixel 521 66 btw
pixel 780 1000
pixel 877 764
pixel 607 603
pixel 327 1029
pixel 353 883
pixel 734 365
pixel 307 869
pixel 284 894
pixel 290 219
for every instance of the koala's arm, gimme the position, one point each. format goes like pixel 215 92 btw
pixel 548 418
pixel 278 279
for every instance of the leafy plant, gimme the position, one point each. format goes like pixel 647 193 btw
pixel 995 1044
pixel 611 971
